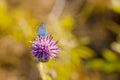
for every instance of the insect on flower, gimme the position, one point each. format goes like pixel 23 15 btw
pixel 44 47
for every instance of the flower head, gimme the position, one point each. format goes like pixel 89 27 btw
pixel 44 48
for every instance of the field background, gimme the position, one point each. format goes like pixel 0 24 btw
pixel 88 32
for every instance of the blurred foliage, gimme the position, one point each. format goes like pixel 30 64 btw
pixel 85 36
pixel 115 5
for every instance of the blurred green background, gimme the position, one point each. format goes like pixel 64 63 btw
pixel 88 32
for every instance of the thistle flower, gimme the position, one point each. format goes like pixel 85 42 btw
pixel 44 48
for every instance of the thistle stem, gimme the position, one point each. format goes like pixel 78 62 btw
pixel 42 70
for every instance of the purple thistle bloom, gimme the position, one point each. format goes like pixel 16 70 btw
pixel 44 48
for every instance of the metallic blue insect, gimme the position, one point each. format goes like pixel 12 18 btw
pixel 41 30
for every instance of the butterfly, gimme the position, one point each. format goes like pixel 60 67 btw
pixel 41 30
